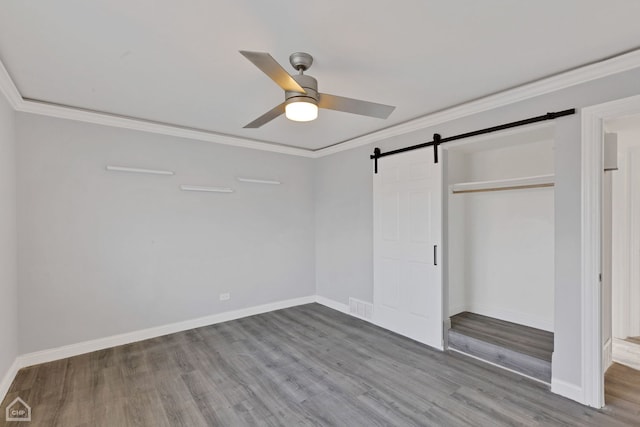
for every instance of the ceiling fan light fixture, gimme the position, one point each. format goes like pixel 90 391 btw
pixel 301 110
pixel 301 96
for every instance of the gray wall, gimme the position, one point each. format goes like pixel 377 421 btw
pixel 344 223
pixel 8 236
pixel 103 253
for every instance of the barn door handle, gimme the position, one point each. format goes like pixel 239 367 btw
pixel 435 254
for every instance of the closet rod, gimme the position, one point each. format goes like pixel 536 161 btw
pixel 513 187
pixel 437 140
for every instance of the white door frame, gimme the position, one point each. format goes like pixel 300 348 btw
pixel 591 258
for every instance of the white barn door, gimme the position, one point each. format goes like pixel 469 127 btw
pixel 407 202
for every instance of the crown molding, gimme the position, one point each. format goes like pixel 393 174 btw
pixel 8 88
pixel 604 68
pixel 584 74
pixel 70 113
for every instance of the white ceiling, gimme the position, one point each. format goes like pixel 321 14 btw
pixel 178 62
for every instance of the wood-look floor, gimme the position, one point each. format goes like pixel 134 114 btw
pixel 635 340
pixel 306 365
pixel 516 347
pixel 522 339
pixel 626 353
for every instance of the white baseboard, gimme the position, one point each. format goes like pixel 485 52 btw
pixel 58 353
pixel 8 378
pixel 607 354
pixel 568 390
pixel 338 306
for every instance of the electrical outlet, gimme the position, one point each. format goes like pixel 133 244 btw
pixel 225 296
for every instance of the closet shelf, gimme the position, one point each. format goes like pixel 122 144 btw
pixel 539 181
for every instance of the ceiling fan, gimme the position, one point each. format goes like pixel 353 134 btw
pixel 302 98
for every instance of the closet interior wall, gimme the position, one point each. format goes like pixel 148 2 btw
pixel 626 234
pixel 501 243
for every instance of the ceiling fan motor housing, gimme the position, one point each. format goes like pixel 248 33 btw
pixel 309 84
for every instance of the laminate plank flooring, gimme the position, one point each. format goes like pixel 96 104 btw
pixel 626 352
pixel 634 340
pixel 306 366
pixel 519 338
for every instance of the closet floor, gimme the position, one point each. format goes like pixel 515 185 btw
pixel 635 340
pixel 520 348
pixel 626 352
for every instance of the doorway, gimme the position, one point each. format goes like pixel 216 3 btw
pixel 621 242
pixel 596 306
pixel 499 235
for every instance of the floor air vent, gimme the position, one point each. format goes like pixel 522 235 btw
pixel 360 308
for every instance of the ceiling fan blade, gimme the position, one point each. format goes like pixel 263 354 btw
pixel 267 117
pixel 355 106
pixel 271 68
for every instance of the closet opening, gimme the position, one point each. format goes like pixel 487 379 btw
pixel 499 237
pixel 620 270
